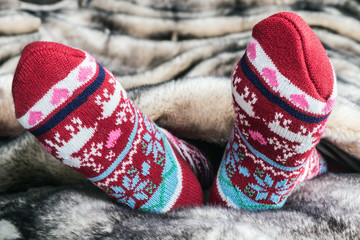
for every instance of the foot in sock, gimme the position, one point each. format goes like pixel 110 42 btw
pixel 283 91
pixel 82 116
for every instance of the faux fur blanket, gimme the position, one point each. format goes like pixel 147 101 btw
pixel 175 59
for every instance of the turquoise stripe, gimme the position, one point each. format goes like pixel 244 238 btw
pixel 232 192
pixel 236 196
pixel 122 154
pixel 163 195
pixel 266 159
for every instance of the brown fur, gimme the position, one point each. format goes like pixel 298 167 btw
pixel 9 126
pixel 196 108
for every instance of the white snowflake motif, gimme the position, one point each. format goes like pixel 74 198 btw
pixel 88 156
pixel 241 118
pixel 287 150
pixel 110 156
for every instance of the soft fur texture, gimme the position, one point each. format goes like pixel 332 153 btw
pixel 8 126
pixel 314 211
pixel 147 44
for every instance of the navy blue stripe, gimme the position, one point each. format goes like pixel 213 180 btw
pixel 74 104
pixel 249 74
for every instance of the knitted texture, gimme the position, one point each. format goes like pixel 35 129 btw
pixel 82 116
pixel 283 90
pixel 198 163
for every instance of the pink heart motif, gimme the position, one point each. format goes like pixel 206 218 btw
pixel 113 137
pixel 271 75
pixel 252 50
pixel 84 73
pixel 329 105
pixel 300 100
pixel 257 137
pixel 34 117
pixel 58 95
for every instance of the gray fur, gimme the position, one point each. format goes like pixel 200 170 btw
pixel 8 230
pixel 14 22
pixel 24 164
pixel 316 210
pixel 8 127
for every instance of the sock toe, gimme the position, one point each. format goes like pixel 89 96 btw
pixel 42 65
pixel 49 75
pixel 297 52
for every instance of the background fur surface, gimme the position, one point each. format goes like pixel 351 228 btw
pixel 83 212
pixel 197 43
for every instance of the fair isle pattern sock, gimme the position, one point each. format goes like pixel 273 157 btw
pixel 283 92
pixel 82 116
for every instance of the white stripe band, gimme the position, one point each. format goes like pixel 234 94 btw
pixel 59 93
pixel 283 86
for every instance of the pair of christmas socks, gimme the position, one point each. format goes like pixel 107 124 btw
pixel 283 91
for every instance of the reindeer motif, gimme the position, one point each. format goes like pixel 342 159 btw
pixel 304 137
pixel 247 106
pixel 109 102
pixel 65 150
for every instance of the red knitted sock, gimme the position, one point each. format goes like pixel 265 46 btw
pixel 283 92
pixel 82 116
